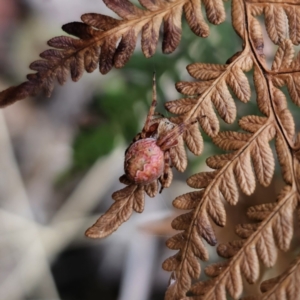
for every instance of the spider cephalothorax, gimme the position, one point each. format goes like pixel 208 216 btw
pixel 148 158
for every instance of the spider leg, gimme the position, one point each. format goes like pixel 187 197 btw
pixel 167 176
pixel 160 115
pixel 151 112
pixel 169 140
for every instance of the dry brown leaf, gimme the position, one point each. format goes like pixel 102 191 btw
pixel 263 161
pixel 188 201
pixel 201 180
pixel 215 11
pixel 202 71
pixel 239 84
pixel 266 248
pixel 293 14
pixel 193 88
pixel 205 231
pixel 246 230
pixel 172 29
pixel 284 55
pixel 293 85
pixel 257 36
pixel 126 200
pixel 178 155
pixel 283 114
pixel 152 189
pixel 193 139
pixel 283 222
pixel 215 206
pixel 285 286
pixel 231 140
pixel 256 9
pixel 234 282
pixel 228 187
pixel 252 123
pixel 180 106
pixel 250 264
pixel 276 24
pixel 194 17
pixel 260 212
pixel 244 174
pixel 238 18
pixel 283 158
pixel 263 100
pixel 224 103
pixel 259 243
pixel 219 161
pixel 212 270
pixel 182 222
pixel 208 119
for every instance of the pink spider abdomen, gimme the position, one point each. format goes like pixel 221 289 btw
pixel 144 161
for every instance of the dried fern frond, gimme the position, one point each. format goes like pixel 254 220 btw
pixel 281 19
pixel 129 199
pixel 212 88
pixel 283 287
pixel 106 42
pixel 259 242
pixel 287 69
pixel 96 41
pixel 233 170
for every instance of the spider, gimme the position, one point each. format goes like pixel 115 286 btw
pixel 148 157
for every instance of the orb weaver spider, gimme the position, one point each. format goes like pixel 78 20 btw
pixel 148 157
pixel 148 162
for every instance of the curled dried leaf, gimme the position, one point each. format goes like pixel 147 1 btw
pixel 126 199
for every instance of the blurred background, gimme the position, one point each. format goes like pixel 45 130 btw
pixel 61 157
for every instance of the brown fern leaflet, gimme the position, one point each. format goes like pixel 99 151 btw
pixel 96 39
pixel 286 285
